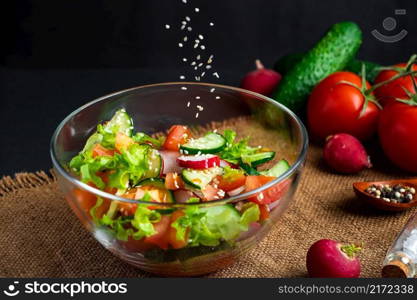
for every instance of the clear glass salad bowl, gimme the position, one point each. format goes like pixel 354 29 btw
pixel 154 108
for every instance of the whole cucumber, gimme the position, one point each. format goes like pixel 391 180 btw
pixel 330 54
pixel 286 63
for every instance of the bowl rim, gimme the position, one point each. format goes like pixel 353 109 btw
pixel 298 163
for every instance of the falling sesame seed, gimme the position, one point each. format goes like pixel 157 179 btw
pixel 167 26
pixel 197 78
pixel 183 88
pixel 215 74
pixel 200 65
pixel 188 18
pixel 211 24
pixel 193 63
pixel 188 104
pixel 196 67
pixel 189 28
pixel 183 22
pixel 215 130
pixel 182 77
pixel 197 97
pixel 217 97
pixel 195 45
pixel 196 9
pixel 183 27
pixel 202 74
pixel 198 57
pixel 200 108
pixel 212 90
pixel 180 45
pixel 185 38
pixel 202 47
pixel 208 67
pixel 184 59
pixel 196 115
pixel 201 37
pixel 197 41
pixel 184 1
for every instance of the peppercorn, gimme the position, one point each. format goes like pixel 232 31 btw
pixel 396 194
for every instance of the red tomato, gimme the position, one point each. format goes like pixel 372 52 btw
pixel 173 181
pixel 264 212
pixel 172 232
pixel 231 182
pixel 398 135
pixel 334 107
pixel 387 93
pixel 122 141
pixel 99 150
pixel 160 238
pixel 177 135
pixel 87 200
pixel 211 193
pixel 271 194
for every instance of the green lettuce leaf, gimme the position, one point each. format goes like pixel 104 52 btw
pixel 251 214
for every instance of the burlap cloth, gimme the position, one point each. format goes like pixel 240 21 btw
pixel 41 237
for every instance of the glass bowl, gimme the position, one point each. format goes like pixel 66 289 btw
pixel 154 108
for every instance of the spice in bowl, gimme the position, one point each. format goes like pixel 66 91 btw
pixel 398 193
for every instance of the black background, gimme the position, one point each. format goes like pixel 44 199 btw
pixel 58 55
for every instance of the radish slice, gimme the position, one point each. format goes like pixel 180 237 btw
pixel 253 228
pixel 204 161
pixel 170 161
pixel 236 191
pixel 181 196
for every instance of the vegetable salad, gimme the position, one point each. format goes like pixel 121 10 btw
pixel 178 168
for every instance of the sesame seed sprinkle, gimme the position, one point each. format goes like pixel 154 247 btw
pixel 197 78
pixel 211 24
pixel 217 97
pixel 196 115
pixel 180 45
pixel 188 18
pixel 196 67
pixel 215 74
pixel 167 26
pixel 200 64
pixel 183 27
pixel 182 77
pixel 208 67
pixel 200 36
pixel 212 90
pixel 198 57
pixel 184 59
pixel 197 97
pixel 202 74
pixel 195 45
pixel 189 28
pixel 185 38
pixel 193 63
pixel 188 104
pixel 184 1
pixel 183 88
pixel 196 9
pixel 202 47
pixel 200 108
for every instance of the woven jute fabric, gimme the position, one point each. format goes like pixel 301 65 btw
pixel 41 237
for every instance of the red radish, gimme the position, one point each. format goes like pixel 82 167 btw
pixel 345 154
pixel 330 259
pixel 169 159
pixel 181 196
pixel 262 81
pixel 199 161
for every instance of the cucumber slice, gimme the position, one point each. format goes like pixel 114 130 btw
pixel 248 169
pixel 95 138
pixel 224 219
pixel 154 186
pixel 258 158
pixel 154 164
pixel 279 168
pixel 199 179
pixel 209 144
pixel 120 122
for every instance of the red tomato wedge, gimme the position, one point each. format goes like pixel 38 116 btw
pixel 173 181
pixel 177 135
pixel 271 194
pixel 172 232
pixel 99 150
pixel 160 238
pixel 122 141
pixel 211 193
pixel 230 183
pixel 204 161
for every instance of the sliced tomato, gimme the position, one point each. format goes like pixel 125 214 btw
pixel 122 141
pixel 211 193
pixel 99 150
pixel 160 238
pixel 271 194
pixel 230 183
pixel 87 201
pixel 173 181
pixel 177 135
pixel 172 232
pixel 264 212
